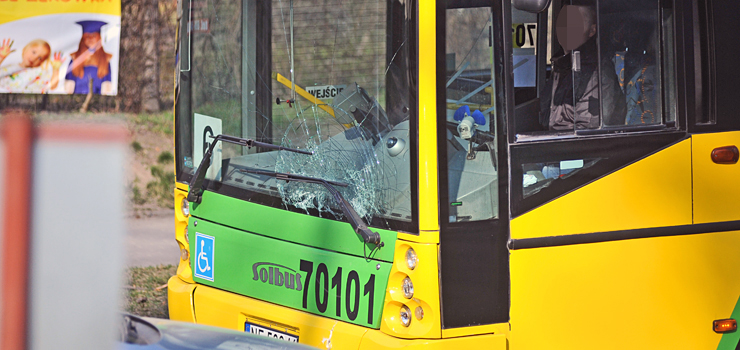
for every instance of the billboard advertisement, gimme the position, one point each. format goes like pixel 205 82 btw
pixel 59 46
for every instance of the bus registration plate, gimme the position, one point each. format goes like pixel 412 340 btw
pixel 266 332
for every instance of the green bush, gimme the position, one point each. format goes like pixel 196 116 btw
pixel 137 146
pixel 156 122
pixel 146 294
pixel 162 187
pixel 164 158
pixel 136 195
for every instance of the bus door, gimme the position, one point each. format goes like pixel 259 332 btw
pixel 601 181
pixel 472 164
pixel 603 98
pixel 716 138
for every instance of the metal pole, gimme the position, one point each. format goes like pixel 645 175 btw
pixel 292 54
pixel 17 129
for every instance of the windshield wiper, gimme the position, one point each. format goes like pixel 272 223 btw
pixel 196 184
pixel 354 219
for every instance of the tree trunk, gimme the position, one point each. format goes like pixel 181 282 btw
pixel 150 78
pixel 86 104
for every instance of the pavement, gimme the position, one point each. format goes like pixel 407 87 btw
pixel 150 240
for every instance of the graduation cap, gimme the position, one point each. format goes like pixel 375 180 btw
pixel 91 26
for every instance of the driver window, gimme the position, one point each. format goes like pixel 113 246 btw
pixel 471 147
pixel 610 72
pixel 605 73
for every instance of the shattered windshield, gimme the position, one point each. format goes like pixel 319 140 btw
pixel 331 77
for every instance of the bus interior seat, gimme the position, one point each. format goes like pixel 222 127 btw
pixel 633 55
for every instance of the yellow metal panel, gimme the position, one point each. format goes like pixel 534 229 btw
pixel 651 293
pixel 425 278
pixel 422 237
pixel 376 340
pixel 181 186
pixel 498 328
pixel 223 309
pixel 184 271
pixel 716 190
pixel 655 191
pixel 428 198
pixel 180 300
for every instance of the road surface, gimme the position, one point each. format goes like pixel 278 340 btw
pixel 151 240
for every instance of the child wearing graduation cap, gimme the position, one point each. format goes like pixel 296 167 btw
pixel 90 62
pixel 36 73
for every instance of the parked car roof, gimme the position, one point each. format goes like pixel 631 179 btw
pixel 141 333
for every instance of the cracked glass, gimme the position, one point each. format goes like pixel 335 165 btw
pixel 331 77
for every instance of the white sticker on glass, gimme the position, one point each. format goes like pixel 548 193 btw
pixel 204 127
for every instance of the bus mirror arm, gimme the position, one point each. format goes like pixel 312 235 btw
pixel 195 194
pixel 368 236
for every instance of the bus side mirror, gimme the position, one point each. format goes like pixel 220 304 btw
pixel 533 6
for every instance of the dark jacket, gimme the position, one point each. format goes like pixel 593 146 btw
pixel 557 112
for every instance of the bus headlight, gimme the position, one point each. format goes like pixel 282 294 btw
pixel 408 288
pixel 411 258
pixel 419 312
pixel 187 240
pixel 185 207
pixel 405 315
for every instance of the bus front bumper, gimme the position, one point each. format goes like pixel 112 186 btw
pixel 224 309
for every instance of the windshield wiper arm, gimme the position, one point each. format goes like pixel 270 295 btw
pixel 196 184
pixel 355 220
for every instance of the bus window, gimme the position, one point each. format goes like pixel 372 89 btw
pixel 615 76
pixel 630 39
pixel 524 40
pixel 609 77
pixel 471 145
pixel 334 79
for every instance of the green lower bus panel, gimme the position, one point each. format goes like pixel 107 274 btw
pixel 318 281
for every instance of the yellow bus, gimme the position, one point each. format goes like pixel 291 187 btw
pixel 524 174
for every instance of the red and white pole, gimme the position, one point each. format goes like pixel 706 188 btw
pixel 18 133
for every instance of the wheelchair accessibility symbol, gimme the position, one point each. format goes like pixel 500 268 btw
pixel 204 249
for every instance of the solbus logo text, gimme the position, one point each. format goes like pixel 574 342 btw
pixel 277 275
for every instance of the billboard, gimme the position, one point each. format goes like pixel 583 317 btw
pixel 59 46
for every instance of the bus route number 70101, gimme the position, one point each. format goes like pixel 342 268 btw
pixel 351 287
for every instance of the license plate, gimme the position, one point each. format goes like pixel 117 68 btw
pixel 267 332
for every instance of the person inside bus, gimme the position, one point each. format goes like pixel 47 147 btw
pixel 579 81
